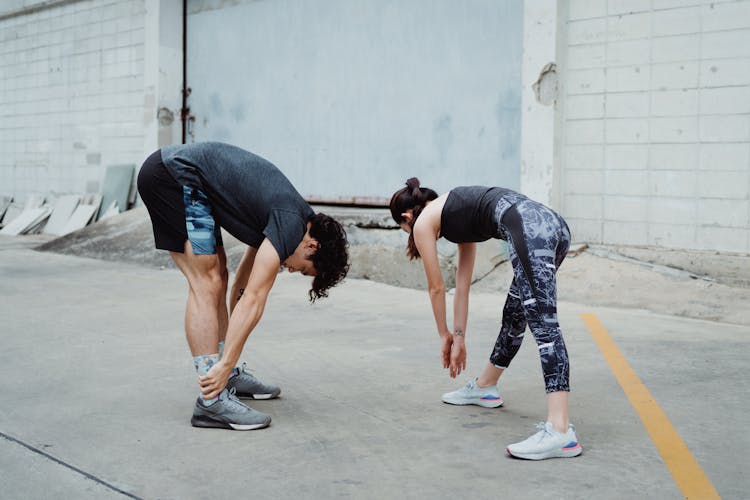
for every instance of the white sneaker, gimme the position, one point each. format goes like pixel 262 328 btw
pixel 547 443
pixel 472 394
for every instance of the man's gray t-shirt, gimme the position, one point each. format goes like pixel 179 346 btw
pixel 249 196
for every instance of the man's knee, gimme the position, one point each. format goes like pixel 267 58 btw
pixel 209 282
pixel 205 273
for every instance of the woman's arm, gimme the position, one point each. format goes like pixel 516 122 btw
pixel 426 241
pixel 426 232
pixel 466 255
pixel 247 313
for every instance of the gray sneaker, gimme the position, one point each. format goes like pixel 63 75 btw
pixel 228 413
pixel 247 386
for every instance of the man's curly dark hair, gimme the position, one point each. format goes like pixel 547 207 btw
pixel 331 260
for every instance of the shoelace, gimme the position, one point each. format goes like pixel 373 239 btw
pixel 246 371
pixel 233 398
pixel 542 431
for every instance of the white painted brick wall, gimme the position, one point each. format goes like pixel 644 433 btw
pixel 586 182
pixel 725 213
pixel 625 208
pixel 724 44
pixel 724 157
pixel 674 48
pixel 668 183
pixel 584 206
pixel 626 104
pixel 584 157
pixel 625 182
pixel 71 94
pixel 585 106
pixel 586 81
pixel 672 235
pixel 655 122
pixel 626 130
pixel 625 233
pixel 725 128
pixel 628 78
pixel 683 102
pixel 626 157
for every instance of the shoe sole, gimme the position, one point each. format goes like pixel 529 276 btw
pixel 487 403
pixel 560 453
pixel 213 424
pixel 256 396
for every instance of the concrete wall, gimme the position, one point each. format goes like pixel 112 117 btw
pixel 75 92
pixel 350 98
pixel 654 143
pixel 650 117
pixel 538 94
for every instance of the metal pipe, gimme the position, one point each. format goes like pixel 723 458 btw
pixel 185 91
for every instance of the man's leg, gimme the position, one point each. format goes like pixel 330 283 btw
pixel 202 313
pixel 221 305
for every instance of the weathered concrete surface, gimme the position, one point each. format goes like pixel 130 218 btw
pixel 596 280
pixel 726 268
pixel 96 373
pixel 601 275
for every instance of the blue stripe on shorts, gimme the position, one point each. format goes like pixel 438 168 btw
pixel 201 227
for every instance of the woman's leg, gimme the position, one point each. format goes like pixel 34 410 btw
pixel 538 244
pixel 508 340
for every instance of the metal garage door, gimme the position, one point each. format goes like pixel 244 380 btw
pixel 351 97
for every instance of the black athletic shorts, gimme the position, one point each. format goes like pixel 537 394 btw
pixel 174 222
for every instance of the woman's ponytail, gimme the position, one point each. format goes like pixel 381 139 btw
pixel 412 197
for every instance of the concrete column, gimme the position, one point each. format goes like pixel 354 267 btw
pixel 538 98
pixel 162 97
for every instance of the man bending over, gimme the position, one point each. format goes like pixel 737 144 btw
pixel 191 191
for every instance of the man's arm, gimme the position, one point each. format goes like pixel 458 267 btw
pixel 241 277
pixel 245 317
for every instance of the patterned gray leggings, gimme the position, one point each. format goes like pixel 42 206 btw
pixel 538 240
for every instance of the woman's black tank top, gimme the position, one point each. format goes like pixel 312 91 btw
pixel 472 213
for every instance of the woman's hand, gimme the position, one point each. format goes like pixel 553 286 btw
pixel 457 357
pixel 215 380
pixel 446 341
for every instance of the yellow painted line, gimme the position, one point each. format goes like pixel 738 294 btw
pixel 687 473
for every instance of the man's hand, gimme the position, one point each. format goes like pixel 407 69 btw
pixel 457 357
pixel 215 380
pixel 446 340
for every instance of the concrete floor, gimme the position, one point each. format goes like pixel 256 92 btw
pixel 96 381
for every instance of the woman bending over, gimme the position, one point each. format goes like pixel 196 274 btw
pixel 538 239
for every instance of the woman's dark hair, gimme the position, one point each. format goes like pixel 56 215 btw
pixel 331 260
pixel 414 198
